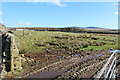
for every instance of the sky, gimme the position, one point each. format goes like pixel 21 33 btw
pixel 64 14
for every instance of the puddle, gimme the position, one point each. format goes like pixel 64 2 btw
pixel 76 55
pixel 51 74
pixel 99 55
pixel 111 51
pixel 60 73
pixel 59 56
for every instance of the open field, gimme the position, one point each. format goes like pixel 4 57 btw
pixel 37 41
pixel 68 53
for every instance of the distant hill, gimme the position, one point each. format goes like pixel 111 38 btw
pixel 73 27
pixel 94 27
pixel 90 27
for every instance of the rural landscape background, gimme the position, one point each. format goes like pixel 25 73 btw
pixel 69 40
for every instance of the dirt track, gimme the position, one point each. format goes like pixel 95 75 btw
pixel 71 67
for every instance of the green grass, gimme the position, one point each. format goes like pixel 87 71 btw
pixel 28 42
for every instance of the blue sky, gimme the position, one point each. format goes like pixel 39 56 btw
pixel 45 14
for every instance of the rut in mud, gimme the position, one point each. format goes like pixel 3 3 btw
pixel 70 68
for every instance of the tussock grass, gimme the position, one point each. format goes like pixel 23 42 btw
pixel 39 41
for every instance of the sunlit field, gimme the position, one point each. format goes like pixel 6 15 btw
pixel 41 48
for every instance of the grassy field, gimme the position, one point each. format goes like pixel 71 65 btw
pixel 46 47
pixel 41 41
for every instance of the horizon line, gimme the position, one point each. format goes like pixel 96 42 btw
pixel 58 27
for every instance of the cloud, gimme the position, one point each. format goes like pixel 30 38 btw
pixel 117 13
pixel 61 0
pixel 34 0
pixel 115 4
pixel 56 2
pixel 24 24
pixel 1 22
pixel 1 12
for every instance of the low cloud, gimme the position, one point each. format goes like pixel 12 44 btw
pixel 60 0
pixel 1 22
pixel 24 24
pixel 117 13
pixel 1 12
pixel 56 2
pixel 115 4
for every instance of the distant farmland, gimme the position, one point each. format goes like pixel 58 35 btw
pixel 70 29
